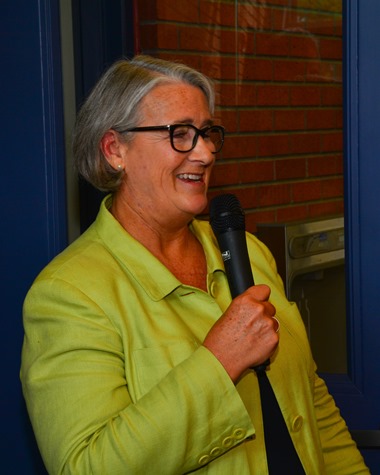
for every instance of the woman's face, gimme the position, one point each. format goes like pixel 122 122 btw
pixel 160 183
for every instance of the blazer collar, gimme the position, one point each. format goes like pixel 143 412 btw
pixel 153 277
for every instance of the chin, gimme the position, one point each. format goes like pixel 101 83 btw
pixel 199 207
pixel 193 205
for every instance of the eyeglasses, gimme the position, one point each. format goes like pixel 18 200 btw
pixel 184 137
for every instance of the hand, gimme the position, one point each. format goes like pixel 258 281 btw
pixel 245 335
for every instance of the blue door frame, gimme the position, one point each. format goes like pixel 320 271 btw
pixel 358 393
pixel 34 216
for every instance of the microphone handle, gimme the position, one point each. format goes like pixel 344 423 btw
pixel 234 251
pixel 233 246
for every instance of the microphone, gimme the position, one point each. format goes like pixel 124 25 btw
pixel 228 224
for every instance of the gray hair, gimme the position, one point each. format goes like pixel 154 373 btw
pixel 114 104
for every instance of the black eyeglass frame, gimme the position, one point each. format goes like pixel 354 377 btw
pixel 172 127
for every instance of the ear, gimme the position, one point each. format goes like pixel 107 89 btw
pixel 113 149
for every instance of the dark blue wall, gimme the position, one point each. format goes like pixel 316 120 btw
pixel 33 213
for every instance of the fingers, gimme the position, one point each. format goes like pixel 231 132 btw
pixel 256 301
pixel 260 292
pixel 247 333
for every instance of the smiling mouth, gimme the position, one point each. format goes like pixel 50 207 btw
pixel 190 177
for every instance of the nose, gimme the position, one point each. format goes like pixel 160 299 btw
pixel 202 152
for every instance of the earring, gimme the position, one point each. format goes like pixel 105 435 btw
pixel 120 167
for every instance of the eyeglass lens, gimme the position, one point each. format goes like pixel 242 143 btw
pixel 185 137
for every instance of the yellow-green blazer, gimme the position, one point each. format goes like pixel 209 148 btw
pixel 116 379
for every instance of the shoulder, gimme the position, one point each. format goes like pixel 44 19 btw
pixel 88 253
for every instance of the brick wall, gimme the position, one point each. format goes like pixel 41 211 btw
pixel 278 75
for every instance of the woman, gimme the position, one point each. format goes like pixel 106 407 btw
pixel 135 360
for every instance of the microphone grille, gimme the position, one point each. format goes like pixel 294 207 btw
pixel 226 214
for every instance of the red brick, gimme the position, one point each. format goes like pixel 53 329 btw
pixel 332 95
pixel 289 70
pixel 270 195
pixel 305 143
pixel 184 12
pixel 339 118
pixel 237 94
pixel 227 42
pixel 280 102
pixel 289 119
pixel 306 191
pixel 324 72
pixel 331 48
pixel 189 59
pixel 216 13
pixel 322 118
pixel 320 24
pixel 326 208
pixel 254 69
pixel 247 196
pixel 218 101
pixel 332 141
pixel 305 95
pixel 285 3
pixel 199 38
pixel 240 146
pixel 257 17
pixel 273 145
pixel 219 67
pixel 325 165
pixel 256 120
pixel 290 168
pixel 273 95
pixel 304 46
pixel 245 42
pixel 227 94
pixel 338 78
pixel 228 118
pixel 287 20
pixel 224 174
pixel 338 26
pixel 246 94
pixel 332 187
pixel 292 213
pixel 258 216
pixel 167 37
pixel 256 171
pixel 272 44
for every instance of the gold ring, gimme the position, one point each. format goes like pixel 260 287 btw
pixel 278 324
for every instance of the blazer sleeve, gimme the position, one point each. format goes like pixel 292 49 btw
pixel 84 419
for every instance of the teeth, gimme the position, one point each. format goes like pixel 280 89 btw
pixel 188 176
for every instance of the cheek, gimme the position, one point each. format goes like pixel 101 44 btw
pixel 151 178
pixel 150 171
pixel 138 168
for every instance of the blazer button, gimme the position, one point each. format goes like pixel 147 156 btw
pixel 239 434
pixel 297 423
pixel 203 460
pixel 213 288
pixel 215 451
pixel 227 442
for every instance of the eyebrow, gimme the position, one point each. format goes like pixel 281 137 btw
pixel 207 123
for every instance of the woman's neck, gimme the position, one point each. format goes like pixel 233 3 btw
pixel 171 243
